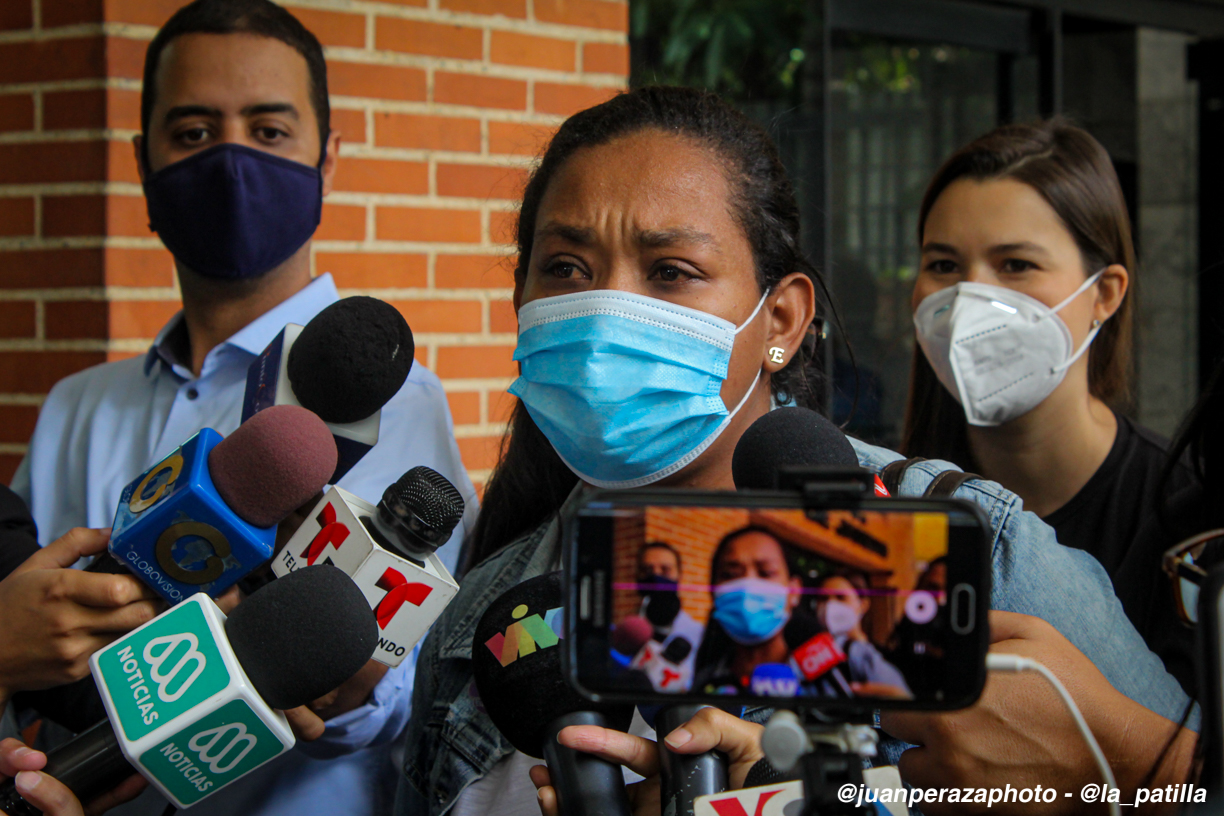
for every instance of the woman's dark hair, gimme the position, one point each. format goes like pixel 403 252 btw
pixel 261 17
pixel 1200 440
pixel 1073 173
pixel 530 481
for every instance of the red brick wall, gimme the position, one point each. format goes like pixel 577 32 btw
pixel 441 104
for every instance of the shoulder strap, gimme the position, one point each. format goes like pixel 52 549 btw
pixel 945 484
pixel 941 487
pixel 894 472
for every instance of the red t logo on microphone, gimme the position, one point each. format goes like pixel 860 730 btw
pixel 398 590
pixel 330 532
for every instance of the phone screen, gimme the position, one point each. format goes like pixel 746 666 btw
pixel 769 602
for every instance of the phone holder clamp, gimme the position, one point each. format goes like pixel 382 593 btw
pixel 830 755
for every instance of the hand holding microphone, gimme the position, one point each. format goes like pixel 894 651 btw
pixel 56 617
pixel 710 730
pixel 190 696
pixel 24 766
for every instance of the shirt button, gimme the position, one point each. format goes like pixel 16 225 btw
pixel 192 393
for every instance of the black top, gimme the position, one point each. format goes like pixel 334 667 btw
pixel 1105 516
pixel 18 535
pixel 75 706
pixel 1146 591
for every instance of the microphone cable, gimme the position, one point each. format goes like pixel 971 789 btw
pixel 1001 662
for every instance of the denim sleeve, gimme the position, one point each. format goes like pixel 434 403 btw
pixel 1034 575
pixel 378 722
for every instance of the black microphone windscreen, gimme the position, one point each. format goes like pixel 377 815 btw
pixel 788 436
pixel 302 635
pixel 351 359
pixel 678 649
pixel 529 691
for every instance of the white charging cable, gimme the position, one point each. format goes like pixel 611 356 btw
pixel 1002 662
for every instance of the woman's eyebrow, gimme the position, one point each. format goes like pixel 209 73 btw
pixel 582 236
pixel 935 246
pixel 676 236
pixel 1018 246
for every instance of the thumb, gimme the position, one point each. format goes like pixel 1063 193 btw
pixel 67 549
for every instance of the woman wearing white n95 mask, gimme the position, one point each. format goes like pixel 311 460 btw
pixel 1023 316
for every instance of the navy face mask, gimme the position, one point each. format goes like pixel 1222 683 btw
pixel 232 211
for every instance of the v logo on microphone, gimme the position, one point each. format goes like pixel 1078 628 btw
pixel 523 637
pixel 735 807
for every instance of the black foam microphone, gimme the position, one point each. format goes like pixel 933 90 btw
pixel 344 365
pixel 177 712
pixel 788 437
pixel 517 664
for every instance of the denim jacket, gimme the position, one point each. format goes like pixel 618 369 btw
pixel 451 742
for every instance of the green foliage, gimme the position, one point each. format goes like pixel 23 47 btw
pixel 743 49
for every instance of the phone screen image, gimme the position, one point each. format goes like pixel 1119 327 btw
pixel 836 605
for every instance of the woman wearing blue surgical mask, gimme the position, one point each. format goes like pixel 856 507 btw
pixel 1023 317
pixel 664 305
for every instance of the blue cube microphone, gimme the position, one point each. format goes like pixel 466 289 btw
pixel 206 515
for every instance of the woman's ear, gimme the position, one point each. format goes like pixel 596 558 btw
pixel 791 308
pixel 1111 289
pixel 796 592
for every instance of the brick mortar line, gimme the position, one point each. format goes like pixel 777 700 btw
pixel 106 188
pixel 430 201
pixel 13 398
pixel 464 339
pixel 13 447
pixel 364 150
pixel 87 84
pixel 423 108
pixel 475 431
pixel 101 294
pixel 492 22
pixel 411 247
pixel 459 65
pixel 477 383
pixel 79 242
pixel 540 28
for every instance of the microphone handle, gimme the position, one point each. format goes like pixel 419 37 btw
pixel 90 764
pixel 686 776
pixel 586 785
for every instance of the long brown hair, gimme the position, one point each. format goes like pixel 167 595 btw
pixel 1073 173
pixel 530 482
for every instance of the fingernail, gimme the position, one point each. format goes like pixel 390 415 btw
pixel 540 794
pixel 27 781
pixel 678 738
pixel 23 751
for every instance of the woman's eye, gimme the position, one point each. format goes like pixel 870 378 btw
pixel 563 270
pixel 669 273
pixel 942 266
pixel 1018 265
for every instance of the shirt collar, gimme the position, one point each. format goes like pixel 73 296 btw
pixel 255 336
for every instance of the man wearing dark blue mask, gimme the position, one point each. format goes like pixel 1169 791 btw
pixel 236 155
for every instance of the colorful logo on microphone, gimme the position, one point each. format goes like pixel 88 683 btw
pixel 526 635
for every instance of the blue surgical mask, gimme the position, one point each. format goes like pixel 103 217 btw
pixel 625 387
pixel 751 610
pixel 232 211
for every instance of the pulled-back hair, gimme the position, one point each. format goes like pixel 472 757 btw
pixel 530 481
pixel 261 17
pixel 1073 173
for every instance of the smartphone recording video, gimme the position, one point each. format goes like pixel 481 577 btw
pixel 827 606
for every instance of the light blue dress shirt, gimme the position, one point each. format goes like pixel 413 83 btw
pixel 104 426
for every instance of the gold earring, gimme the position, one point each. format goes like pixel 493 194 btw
pixel 777 354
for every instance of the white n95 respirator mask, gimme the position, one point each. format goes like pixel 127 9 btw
pixel 997 351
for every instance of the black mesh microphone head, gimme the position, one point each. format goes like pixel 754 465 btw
pixel 524 696
pixel 301 636
pixel 350 359
pixel 419 512
pixel 788 436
